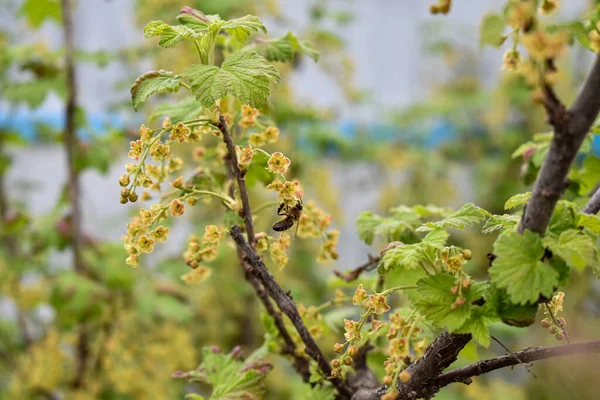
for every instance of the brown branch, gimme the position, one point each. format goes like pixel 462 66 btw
pixel 353 274
pixel 300 363
pixel 464 374
pixel 71 148
pixel 593 206
pixel 247 212
pixel 442 352
pixel 570 129
pixel 288 307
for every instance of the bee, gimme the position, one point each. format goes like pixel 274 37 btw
pixel 292 215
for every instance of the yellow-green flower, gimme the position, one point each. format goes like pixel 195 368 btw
pixel 271 134
pixel 135 150
pixel 378 303
pixel 145 244
pixel 160 233
pixel 359 295
pixel 249 112
pixel 133 261
pixel 179 133
pixel 177 208
pixel 159 152
pixel 278 163
pixel 244 157
pixel 246 122
pixel 256 139
pixel 145 133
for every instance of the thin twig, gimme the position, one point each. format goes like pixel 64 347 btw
pixel 288 307
pixel 353 274
pixel 464 374
pixel 526 366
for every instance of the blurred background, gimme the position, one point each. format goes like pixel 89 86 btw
pixel 403 107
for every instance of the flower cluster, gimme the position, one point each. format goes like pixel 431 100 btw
pixel 269 135
pixel 406 344
pixel 205 249
pixel 278 250
pixel 140 237
pixel 554 324
pixel 148 175
pixel 289 192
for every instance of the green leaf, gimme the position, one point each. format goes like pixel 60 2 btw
pixel 195 24
pixel 517 200
pixel 477 324
pixel 245 75
pixel 468 215
pixel 564 217
pixel 435 299
pixel 431 210
pixel 589 221
pixel 437 237
pixel 170 35
pixel 153 82
pixel 241 28
pixel 284 48
pixel 491 30
pixel 500 223
pixel 230 378
pixel 405 256
pixel 575 247
pixel 183 110
pixel 518 267
pixel 322 392
pixel 366 224
pixel 588 175
pixel 38 11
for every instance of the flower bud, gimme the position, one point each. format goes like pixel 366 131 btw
pixel 123 200
pixel 348 361
pixel 335 363
pixel 467 254
pixel 404 376
pixel 352 351
pixel 124 180
pixel 133 197
pixel 338 347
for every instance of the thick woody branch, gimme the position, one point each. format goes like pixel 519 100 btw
pixel 464 374
pixel 438 356
pixel 570 129
pixel 288 307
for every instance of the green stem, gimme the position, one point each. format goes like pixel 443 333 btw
pixel 396 289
